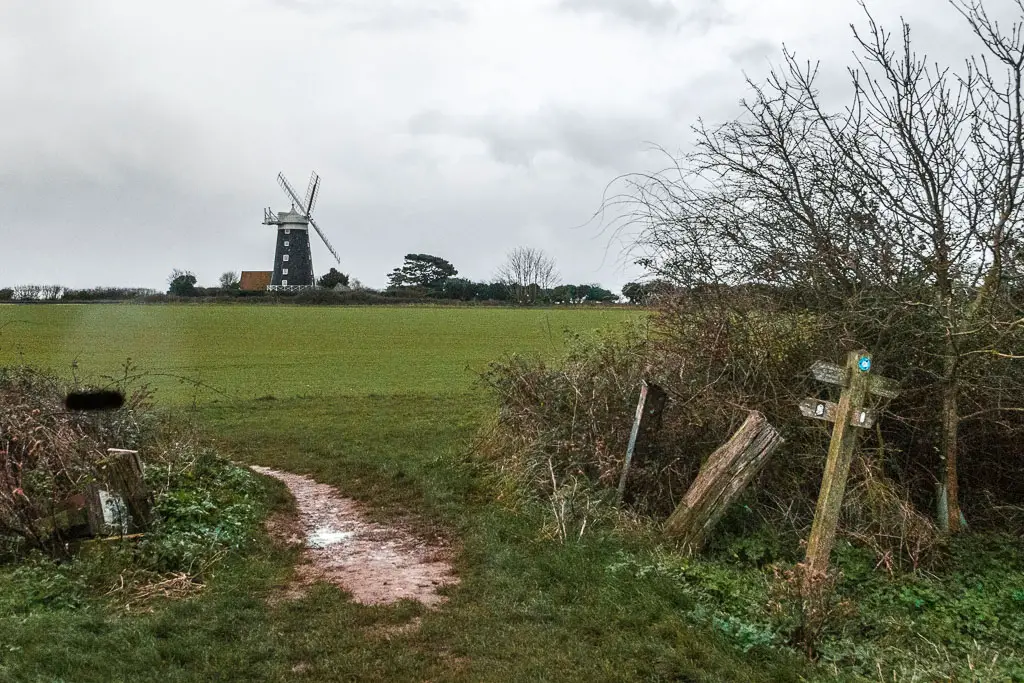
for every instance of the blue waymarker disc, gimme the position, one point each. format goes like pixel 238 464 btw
pixel 864 364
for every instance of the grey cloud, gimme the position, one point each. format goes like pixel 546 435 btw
pixel 707 15
pixel 652 13
pixel 657 14
pixel 384 19
pixel 133 233
pixel 597 140
pixel 755 53
pixel 309 6
pixel 136 140
pixel 382 15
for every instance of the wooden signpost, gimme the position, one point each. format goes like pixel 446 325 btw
pixel 827 410
pixel 849 415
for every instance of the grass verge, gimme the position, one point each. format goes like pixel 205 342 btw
pixel 605 607
pixel 527 608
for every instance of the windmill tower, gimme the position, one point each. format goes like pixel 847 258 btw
pixel 293 260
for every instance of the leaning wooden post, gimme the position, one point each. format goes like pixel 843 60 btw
pixel 721 480
pixel 840 455
pixel 637 419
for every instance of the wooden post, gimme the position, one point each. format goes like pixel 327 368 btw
pixel 840 455
pixel 650 422
pixel 121 482
pixel 124 474
pixel 637 418
pixel 724 475
pixel 645 427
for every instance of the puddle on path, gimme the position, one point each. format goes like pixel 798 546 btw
pixel 377 563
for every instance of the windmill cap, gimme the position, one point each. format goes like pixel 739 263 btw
pixel 292 218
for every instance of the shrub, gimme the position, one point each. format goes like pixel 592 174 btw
pixel 203 505
pixel 40 293
pixel 107 294
pixel 47 454
pixel 574 417
pixel 804 604
pixel 556 423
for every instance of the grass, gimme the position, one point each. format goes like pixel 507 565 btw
pixel 249 351
pixel 527 608
pixel 379 402
pixel 392 423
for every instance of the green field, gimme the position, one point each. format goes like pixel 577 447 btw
pixel 250 351
pixel 379 402
pixel 382 403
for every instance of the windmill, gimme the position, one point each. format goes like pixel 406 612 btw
pixel 293 261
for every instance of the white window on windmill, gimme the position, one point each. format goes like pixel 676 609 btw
pixel 287 231
pixel 286 243
pixel 285 258
pixel 284 283
pixel 284 271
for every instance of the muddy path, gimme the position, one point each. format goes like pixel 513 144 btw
pixel 376 563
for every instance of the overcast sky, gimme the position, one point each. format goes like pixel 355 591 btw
pixel 137 137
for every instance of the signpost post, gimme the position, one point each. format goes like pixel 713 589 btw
pixel 848 415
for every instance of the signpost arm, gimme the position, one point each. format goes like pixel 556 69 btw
pixel 837 467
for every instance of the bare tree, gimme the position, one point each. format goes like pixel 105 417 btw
pixel 902 212
pixel 37 292
pixel 229 280
pixel 528 272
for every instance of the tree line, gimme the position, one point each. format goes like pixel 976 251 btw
pixel 528 277
pixel 58 293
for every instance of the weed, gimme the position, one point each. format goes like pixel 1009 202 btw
pixel 201 509
pixel 805 604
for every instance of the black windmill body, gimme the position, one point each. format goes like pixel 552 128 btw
pixel 293 259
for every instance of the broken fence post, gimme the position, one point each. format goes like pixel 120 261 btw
pixel 120 494
pixel 649 409
pixel 727 472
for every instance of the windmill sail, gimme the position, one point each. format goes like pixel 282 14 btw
pixel 307 207
pixel 290 191
pixel 328 244
pixel 312 192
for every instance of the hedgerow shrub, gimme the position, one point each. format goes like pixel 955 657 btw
pixel 48 454
pixel 572 418
pixel 203 505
